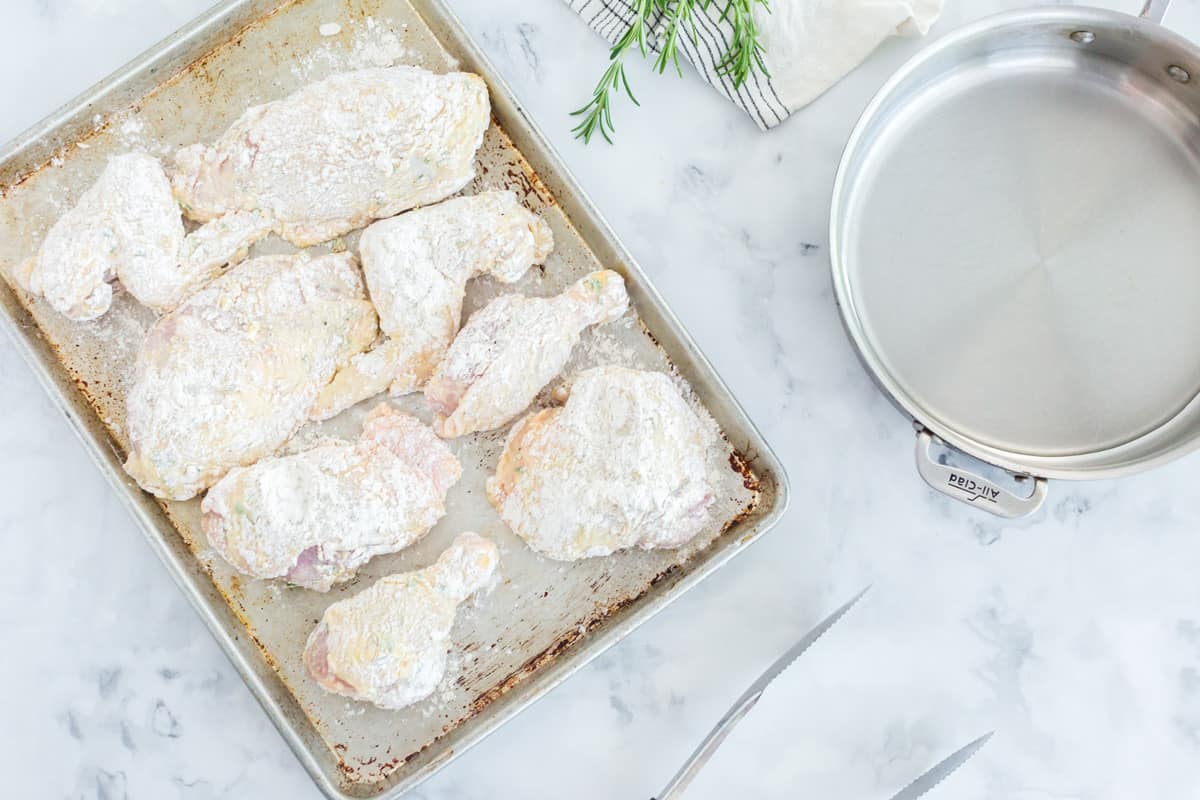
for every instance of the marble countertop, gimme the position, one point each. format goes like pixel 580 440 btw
pixel 1074 635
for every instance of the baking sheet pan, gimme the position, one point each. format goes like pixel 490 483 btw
pixel 542 620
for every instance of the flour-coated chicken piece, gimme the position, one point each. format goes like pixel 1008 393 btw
pixel 202 256
pixel 622 464
pixel 127 227
pixel 514 346
pixel 228 376
pixel 388 644
pixel 341 152
pixel 313 518
pixel 417 266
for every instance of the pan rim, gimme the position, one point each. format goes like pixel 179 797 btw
pixel 1118 460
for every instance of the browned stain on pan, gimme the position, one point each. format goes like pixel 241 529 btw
pixel 200 64
pixel 741 465
pixel 518 173
pixel 63 152
pixel 564 643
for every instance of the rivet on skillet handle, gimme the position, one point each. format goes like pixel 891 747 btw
pixel 972 489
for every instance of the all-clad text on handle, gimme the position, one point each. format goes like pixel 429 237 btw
pixel 972 489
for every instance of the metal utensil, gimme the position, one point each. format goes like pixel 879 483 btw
pixel 1014 237
pixel 941 770
pixel 743 704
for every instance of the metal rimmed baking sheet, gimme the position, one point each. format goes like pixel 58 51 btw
pixel 544 620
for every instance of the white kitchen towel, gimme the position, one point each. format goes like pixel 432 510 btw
pixel 810 44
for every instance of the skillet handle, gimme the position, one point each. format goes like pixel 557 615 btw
pixel 1155 10
pixel 973 489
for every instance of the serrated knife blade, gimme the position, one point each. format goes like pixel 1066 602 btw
pixel 746 702
pixel 941 770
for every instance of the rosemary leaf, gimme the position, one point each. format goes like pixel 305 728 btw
pixel 743 56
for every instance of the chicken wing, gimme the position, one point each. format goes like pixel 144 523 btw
pixel 622 464
pixel 231 374
pixel 417 267
pixel 315 517
pixel 388 643
pixel 511 348
pixel 128 227
pixel 341 152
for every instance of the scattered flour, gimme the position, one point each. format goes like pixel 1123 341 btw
pixel 131 126
pixel 374 44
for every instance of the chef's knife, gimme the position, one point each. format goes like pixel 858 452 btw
pixel 940 771
pixel 746 702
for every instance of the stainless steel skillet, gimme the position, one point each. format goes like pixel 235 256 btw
pixel 1015 240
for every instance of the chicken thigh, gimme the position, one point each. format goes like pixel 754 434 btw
pixel 341 152
pixel 511 348
pixel 315 517
pixel 231 374
pixel 417 267
pixel 388 643
pixel 128 227
pixel 622 464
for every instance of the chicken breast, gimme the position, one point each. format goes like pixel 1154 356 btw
pixel 622 464
pixel 341 152
pixel 514 346
pixel 128 227
pixel 388 643
pixel 231 374
pixel 417 267
pixel 315 517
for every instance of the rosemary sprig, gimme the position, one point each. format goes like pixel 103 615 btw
pixel 597 113
pixel 745 50
pixel 678 17
pixel 743 55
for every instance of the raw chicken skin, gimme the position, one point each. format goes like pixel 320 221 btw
pixel 388 643
pixel 511 348
pixel 231 374
pixel 127 227
pixel 417 267
pixel 315 517
pixel 341 152
pixel 622 464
